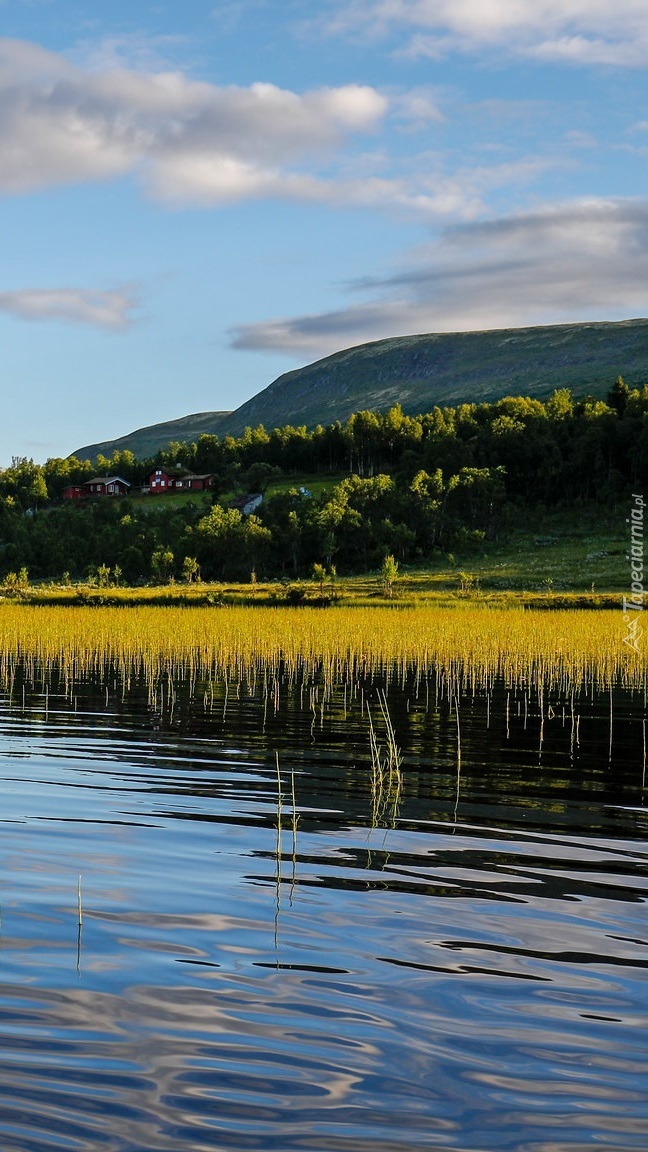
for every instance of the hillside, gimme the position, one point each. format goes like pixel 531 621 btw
pixel 451 368
pixel 421 371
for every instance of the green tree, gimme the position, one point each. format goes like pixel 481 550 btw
pixel 618 396
pixel 162 564
pixel 37 490
pixel 230 544
pixel 190 569
pixel 560 405
pixel 17 581
pixel 259 475
pixel 388 575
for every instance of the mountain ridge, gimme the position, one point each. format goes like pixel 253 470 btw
pixel 421 371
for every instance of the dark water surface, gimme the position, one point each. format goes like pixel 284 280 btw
pixel 458 961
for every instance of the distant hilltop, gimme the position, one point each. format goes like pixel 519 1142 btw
pixel 419 372
pixel 145 442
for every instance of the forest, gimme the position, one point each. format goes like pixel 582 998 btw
pixel 414 487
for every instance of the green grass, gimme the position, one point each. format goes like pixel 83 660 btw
pixel 172 499
pixel 583 562
pixel 360 592
pixel 316 484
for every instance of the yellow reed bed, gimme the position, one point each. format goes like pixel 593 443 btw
pixel 471 642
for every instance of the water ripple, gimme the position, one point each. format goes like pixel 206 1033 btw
pixel 463 968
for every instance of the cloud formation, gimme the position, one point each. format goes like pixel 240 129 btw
pixel 110 309
pixel 567 31
pixel 580 261
pixel 191 141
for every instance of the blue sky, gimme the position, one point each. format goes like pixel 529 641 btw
pixel 198 197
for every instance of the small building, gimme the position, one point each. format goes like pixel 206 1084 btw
pixel 247 504
pixel 200 483
pixel 107 486
pixel 163 480
pixel 98 486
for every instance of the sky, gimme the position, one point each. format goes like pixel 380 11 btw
pixel 197 197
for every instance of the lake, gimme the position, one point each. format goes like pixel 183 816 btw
pixel 451 953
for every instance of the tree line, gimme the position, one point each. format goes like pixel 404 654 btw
pixel 407 486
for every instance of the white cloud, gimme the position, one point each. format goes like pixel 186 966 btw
pixel 580 261
pixel 191 142
pixel 60 123
pixel 427 192
pixel 109 309
pixel 570 31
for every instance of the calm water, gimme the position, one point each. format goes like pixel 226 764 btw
pixel 459 965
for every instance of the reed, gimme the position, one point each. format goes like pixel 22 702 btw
pixel 468 646
pixel 386 760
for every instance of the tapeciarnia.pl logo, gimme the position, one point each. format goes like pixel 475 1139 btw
pixel 633 605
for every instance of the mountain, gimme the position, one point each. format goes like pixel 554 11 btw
pixel 420 371
pixel 147 441
pixel 451 368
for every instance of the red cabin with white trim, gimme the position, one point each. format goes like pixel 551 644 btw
pixel 98 486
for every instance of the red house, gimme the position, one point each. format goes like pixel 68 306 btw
pixel 198 483
pixel 98 486
pixel 175 481
pixel 160 481
pixel 107 486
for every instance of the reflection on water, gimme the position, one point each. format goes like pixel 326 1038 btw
pixel 463 966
